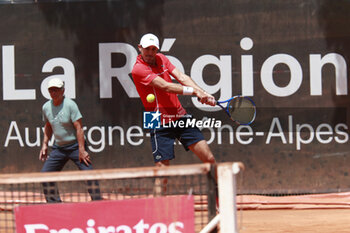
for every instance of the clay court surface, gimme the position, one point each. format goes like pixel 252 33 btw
pixel 310 220
pixel 311 213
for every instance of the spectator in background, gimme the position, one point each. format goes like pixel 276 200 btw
pixel 63 120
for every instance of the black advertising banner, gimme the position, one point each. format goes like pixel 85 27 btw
pixel 291 57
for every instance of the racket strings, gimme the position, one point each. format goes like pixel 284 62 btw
pixel 242 110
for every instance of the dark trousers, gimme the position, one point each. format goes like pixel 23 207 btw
pixel 58 157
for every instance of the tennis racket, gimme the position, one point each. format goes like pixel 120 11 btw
pixel 240 109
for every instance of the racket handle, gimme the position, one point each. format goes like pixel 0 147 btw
pixel 199 100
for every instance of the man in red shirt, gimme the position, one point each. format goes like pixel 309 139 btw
pixel 151 74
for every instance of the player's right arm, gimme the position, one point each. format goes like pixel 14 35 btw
pixel 185 80
pixel 163 85
pixel 47 137
pixel 176 88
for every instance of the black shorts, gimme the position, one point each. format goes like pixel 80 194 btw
pixel 163 140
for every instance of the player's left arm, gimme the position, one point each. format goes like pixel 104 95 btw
pixel 186 80
pixel 83 154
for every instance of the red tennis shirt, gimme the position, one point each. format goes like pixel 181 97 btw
pixel 166 103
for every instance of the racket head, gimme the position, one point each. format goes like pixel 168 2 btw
pixel 242 110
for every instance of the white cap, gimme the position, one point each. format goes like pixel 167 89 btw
pixel 149 40
pixel 55 82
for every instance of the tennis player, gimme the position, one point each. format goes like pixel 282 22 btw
pixel 63 120
pixel 151 75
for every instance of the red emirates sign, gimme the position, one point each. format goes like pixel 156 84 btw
pixel 153 215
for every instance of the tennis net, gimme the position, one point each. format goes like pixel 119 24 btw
pixel 109 184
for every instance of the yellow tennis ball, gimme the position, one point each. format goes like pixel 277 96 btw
pixel 150 98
